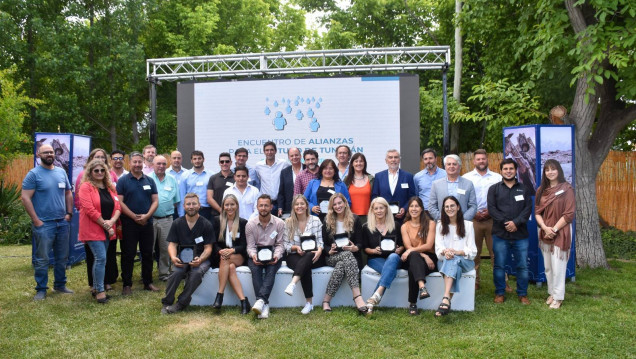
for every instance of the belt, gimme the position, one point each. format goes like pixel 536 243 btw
pixel 164 217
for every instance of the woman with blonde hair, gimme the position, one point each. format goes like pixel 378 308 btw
pixel 382 240
pixel 303 243
pixel 554 210
pixel 230 250
pixel 99 211
pixel 342 234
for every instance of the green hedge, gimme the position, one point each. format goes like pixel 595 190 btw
pixel 619 244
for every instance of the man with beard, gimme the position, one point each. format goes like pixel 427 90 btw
pixel 287 178
pixel 452 185
pixel 196 181
pixel 241 156
pixel 47 198
pixel 424 179
pixel 149 156
pixel 510 205
pixel 482 178
pixel 264 234
pixel 309 173
pixel 138 198
pixel 190 233
pixel 394 184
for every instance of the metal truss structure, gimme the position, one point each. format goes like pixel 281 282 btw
pixel 368 60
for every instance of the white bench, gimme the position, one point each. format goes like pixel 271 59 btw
pixel 397 294
pixel 205 294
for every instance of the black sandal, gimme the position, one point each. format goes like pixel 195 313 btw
pixel 424 293
pixel 323 306
pixel 363 309
pixel 444 308
pixel 413 309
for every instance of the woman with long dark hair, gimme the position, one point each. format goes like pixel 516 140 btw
pixel 359 182
pixel 455 247
pixel 99 211
pixel 418 235
pixel 230 250
pixel 342 234
pixel 555 205
pixel 320 190
pixel 300 227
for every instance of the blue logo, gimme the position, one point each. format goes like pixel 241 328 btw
pixel 302 108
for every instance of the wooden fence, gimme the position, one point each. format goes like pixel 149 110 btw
pixel 615 183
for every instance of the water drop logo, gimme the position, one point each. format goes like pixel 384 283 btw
pixel 303 108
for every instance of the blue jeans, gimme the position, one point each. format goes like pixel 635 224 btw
pixel 52 234
pixel 263 278
pixel 99 249
pixel 454 268
pixel 519 249
pixel 386 267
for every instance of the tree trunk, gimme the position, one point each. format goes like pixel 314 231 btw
pixel 457 80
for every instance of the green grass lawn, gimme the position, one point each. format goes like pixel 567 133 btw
pixel 596 320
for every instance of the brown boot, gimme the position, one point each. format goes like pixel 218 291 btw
pixel 499 299
pixel 524 300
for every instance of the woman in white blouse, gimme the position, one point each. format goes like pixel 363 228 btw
pixel 303 242
pixel 455 249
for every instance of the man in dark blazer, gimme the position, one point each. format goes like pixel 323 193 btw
pixel 287 179
pixel 394 184
pixel 455 185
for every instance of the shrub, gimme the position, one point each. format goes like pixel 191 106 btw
pixel 619 244
pixel 15 224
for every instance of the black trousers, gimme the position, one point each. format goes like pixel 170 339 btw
pixel 111 264
pixel 302 266
pixel 418 270
pixel 134 234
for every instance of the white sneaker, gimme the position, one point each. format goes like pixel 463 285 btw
pixel 265 313
pixel 374 299
pixel 258 306
pixel 290 289
pixel 308 308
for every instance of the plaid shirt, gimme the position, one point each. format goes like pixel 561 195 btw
pixel 302 179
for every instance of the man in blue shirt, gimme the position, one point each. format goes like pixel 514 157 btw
pixel 168 194
pixel 240 160
pixel 137 194
pixel 196 181
pixel 47 198
pixel 424 178
pixel 176 171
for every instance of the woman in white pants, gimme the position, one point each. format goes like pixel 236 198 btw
pixel 554 210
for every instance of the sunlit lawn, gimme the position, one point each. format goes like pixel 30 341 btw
pixel 596 320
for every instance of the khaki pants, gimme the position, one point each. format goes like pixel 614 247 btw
pixel 483 230
pixel 161 228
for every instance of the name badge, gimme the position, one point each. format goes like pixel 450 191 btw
pixel 324 206
pixel 199 184
pixel 228 184
pixel 198 240
pixel 559 192
pixel 519 198
pixel 331 191
pixel 61 185
pixel 273 235
pixel 147 187
pixel 461 191
pixel 116 199
pixel 405 185
pixel 167 188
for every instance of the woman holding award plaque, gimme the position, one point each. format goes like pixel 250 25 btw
pixel 303 242
pixel 342 235
pixel 382 240
pixel 455 247
pixel 320 190
pixel 418 234
pixel 229 250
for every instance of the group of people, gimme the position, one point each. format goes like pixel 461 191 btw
pixel 307 213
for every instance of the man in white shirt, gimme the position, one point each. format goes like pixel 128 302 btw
pixel 268 172
pixel 482 178
pixel 149 156
pixel 343 156
pixel 245 193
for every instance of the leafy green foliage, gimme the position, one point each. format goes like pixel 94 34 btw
pixel 15 224
pixel 619 244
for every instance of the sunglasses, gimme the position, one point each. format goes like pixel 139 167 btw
pixel 118 158
pixel 99 170
pixel 224 161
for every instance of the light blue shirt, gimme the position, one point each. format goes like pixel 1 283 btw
pixel 168 192
pixel 269 176
pixel 50 187
pixel 452 187
pixel 175 174
pixel 195 183
pixel 424 182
